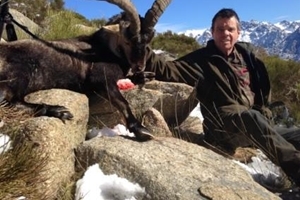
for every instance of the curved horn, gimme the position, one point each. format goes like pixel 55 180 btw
pixel 153 14
pixel 132 13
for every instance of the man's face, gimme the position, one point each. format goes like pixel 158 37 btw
pixel 225 33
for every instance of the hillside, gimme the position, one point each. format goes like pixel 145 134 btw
pixel 282 39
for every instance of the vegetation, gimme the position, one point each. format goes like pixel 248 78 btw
pixel 176 44
pixel 285 83
pixel 36 10
pixel 98 22
pixel 56 24
pixel 19 173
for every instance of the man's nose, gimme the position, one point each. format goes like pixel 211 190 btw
pixel 226 32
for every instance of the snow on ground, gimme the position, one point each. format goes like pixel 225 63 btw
pixel 5 143
pixel 196 112
pixel 263 171
pixel 96 185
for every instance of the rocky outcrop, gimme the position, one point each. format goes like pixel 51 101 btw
pixel 56 139
pixel 173 101
pixel 53 147
pixel 24 21
pixel 167 167
pixel 171 168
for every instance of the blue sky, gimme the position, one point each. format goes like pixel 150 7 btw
pixel 183 15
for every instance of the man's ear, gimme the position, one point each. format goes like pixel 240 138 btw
pixel 211 30
pixel 239 32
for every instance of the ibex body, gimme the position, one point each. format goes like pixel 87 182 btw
pixel 87 64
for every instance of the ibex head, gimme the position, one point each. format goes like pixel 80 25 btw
pixel 132 33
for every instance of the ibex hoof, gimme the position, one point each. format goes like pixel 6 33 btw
pixel 60 112
pixel 142 135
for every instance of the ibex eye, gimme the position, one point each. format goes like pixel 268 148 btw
pixel 126 42
pixel 118 50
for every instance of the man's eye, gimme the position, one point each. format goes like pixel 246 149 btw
pixel 228 29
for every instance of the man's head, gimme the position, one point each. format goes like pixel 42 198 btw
pixel 225 29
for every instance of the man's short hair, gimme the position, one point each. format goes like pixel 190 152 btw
pixel 225 13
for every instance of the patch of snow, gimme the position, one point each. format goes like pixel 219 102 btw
pixel 5 143
pixel 196 112
pixel 262 170
pixel 119 129
pixel 96 185
pixel 21 198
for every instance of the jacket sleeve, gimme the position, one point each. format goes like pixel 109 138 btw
pixel 182 70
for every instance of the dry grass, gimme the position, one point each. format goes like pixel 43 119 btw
pixel 67 190
pixel 21 165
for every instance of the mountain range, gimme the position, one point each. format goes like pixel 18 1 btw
pixel 281 39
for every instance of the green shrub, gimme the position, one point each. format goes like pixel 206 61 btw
pixel 285 82
pixel 177 44
pixel 64 24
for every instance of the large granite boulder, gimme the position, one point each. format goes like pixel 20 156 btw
pixel 167 167
pixel 173 101
pixel 170 168
pixel 50 148
pixel 24 21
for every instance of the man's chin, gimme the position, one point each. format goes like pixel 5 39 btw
pixel 227 50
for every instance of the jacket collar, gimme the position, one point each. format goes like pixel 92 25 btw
pixel 239 46
pixel 214 49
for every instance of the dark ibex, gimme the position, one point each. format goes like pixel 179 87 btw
pixel 87 64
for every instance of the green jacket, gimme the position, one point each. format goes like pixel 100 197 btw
pixel 216 83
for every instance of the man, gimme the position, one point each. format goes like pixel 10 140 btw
pixel 234 91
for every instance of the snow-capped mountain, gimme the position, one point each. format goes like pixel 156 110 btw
pixel 282 39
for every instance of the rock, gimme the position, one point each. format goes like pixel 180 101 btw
pixel 173 100
pixel 170 168
pixel 103 114
pixel 25 21
pixel 56 140
pixel 155 122
pixel 190 130
pixel 177 101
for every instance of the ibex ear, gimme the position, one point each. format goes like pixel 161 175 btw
pixel 118 29
pixel 115 37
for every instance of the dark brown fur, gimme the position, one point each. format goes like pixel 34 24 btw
pixel 84 64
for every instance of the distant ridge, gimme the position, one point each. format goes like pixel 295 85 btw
pixel 282 38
